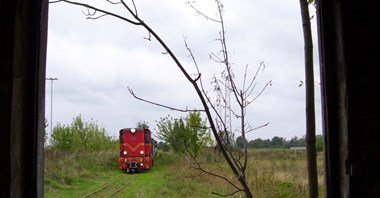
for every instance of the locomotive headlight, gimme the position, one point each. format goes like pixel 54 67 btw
pixel 142 152
pixel 133 130
pixel 125 152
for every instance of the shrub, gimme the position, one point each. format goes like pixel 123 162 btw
pixel 80 135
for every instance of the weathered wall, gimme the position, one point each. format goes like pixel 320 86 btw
pixel 22 85
pixel 350 49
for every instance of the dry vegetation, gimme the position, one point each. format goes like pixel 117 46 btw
pixel 271 173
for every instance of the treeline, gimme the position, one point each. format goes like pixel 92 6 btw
pixel 274 143
pixel 279 143
pixel 81 135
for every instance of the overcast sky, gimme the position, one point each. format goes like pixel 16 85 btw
pixel 96 60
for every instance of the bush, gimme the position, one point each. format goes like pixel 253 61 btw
pixel 80 135
pixel 188 134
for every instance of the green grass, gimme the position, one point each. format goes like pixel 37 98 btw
pixel 74 174
pixel 271 173
pixel 166 180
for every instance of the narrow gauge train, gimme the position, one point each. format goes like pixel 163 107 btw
pixel 137 150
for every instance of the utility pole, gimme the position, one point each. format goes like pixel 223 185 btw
pixel 51 102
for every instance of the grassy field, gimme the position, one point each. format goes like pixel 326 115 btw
pixel 271 173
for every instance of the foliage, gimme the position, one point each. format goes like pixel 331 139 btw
pixel 143 124
pixel 188 134
pixel 240 142
pixel 319 143
pixel 163 146
pixel 80 135
pixel 279 142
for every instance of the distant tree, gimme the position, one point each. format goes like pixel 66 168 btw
pixel 184 134
pixel 171 131
pixel 142 124
pixel 197 133
pixel 240 142
pixel 259 143
pixel 80 135
pixel 63 138
pixel 277 142
pixel 163 146
pixel 293 141
pixel 319 143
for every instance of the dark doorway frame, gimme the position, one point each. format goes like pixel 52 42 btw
pixel 349 50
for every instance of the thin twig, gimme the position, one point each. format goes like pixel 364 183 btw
pixel 264 125
pixel 201 13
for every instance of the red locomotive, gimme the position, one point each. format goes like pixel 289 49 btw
pixel 137 150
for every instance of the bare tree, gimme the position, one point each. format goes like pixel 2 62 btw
pixel 226 87
pixel 310 107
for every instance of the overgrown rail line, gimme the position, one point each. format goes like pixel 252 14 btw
pixel 109 190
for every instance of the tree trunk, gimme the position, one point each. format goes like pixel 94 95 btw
pixel 310 109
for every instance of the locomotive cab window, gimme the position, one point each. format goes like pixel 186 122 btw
pixel 147 136
pixel 133 137
pixel 121 136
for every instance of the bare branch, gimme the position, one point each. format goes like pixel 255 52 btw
pixel 160 105
pixel 111 2
pixel 134 14
pixel 149 37
pixel 98 17
pixel 249 92
pixel 193 59
pixel 99 10
pixel 264 125
pixel 134 6
pixel 197 166
pixel 262 64
pixel 227 195
pixel 269 83
pixel 245 76
pixel 202 14
pixel 193 176
pixel 216 58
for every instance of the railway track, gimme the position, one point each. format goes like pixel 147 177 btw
pixel 110 189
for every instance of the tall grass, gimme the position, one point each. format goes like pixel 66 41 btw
pixel 68 174
pixel 271 173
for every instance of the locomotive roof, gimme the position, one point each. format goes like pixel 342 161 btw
pixel 138 129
